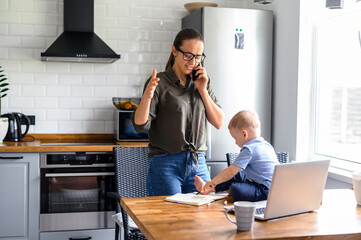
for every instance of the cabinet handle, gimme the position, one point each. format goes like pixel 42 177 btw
pixel 20 157
pixel 84 238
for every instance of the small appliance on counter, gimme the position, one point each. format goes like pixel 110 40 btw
pixel 15 133
pixel 123 127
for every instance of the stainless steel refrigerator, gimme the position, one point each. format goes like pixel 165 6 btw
pixel 238 46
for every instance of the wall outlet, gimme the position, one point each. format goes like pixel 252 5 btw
pixel 31 118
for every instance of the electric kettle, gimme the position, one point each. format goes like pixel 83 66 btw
pixel 15 133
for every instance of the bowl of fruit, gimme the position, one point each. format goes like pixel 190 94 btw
pixel 126 104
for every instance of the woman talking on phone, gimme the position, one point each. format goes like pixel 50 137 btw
pixel 174 108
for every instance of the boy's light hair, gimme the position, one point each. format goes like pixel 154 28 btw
pixel 245 119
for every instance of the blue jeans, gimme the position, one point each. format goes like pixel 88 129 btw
pixel 169 174
pixel 242 189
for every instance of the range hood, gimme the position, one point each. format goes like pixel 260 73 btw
pixel 78 42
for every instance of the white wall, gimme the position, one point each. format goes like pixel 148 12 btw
pixel 76 97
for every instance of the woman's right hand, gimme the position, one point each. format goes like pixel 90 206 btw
pixel 152 85
pixel 142 112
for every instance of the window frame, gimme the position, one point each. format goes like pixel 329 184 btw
pixel 339 166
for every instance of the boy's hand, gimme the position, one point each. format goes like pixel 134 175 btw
pixel 209 187
pixel 199 183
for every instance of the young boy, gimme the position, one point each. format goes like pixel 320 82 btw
pixel 249 177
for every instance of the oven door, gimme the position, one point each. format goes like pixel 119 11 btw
pixel 75 198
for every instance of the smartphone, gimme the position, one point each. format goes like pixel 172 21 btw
pixel 194 76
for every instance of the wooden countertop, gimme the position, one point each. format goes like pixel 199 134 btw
pixel 103 143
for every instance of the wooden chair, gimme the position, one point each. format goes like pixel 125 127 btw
pixel 283 157
pixel 131 166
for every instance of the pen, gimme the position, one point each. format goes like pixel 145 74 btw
pixel 199 192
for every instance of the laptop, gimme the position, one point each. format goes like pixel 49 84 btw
pixel 296 188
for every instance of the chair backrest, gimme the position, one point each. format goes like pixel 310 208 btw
pixel 131 166
pixel 231 157
pixel 282 157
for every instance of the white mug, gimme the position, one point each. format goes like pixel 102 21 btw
pixel 244 212
pixel 356 180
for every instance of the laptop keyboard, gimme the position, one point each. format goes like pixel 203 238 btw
pixel 260 211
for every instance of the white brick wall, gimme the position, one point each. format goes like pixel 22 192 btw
pixel 77 97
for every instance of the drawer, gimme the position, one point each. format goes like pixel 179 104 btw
pixel 99 234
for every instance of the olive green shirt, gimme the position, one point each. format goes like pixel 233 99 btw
pixel 177 117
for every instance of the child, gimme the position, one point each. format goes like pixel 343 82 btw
pixel 249 177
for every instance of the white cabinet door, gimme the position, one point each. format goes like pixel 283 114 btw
pixel 99 234
pixel 19 196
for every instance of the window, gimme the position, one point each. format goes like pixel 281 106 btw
pixel 338 90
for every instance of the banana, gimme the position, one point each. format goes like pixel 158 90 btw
pixel 127 105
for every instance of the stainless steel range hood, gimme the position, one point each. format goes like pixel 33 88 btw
pixel 78 42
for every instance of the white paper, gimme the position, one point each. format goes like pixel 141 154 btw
pixel 194 199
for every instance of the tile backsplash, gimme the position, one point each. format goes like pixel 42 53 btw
pixel 77 97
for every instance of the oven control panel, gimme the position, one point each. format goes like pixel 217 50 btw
pixel 76 158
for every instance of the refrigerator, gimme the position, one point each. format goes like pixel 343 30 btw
pixel 238 49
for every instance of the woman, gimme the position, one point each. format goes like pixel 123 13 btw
pixel 174 109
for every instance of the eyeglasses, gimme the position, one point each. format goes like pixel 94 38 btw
pixel 188 56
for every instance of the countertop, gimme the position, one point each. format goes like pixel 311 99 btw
pixel 90 143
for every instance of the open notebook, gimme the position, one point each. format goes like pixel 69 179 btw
pixel 194 199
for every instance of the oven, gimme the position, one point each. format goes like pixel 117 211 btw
pixel 73 191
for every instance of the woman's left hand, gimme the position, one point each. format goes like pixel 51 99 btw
pixel 202 79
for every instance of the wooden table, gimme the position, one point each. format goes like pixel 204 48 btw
pixel 338 218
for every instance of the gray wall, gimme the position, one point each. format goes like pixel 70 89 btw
pixel 285 76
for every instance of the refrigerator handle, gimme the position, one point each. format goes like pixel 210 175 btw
pixel 209 141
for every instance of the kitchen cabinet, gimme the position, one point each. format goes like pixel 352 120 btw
pixel 99 234
pixel 19 196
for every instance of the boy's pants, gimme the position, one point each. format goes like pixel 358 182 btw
pixel 243 189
